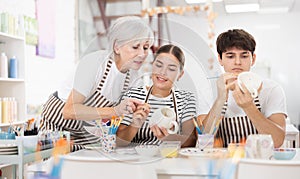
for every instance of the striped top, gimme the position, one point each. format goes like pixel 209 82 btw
pixel 186 107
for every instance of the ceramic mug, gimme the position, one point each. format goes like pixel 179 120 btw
pixel 252 82
pixel 165 117
pixel 259 146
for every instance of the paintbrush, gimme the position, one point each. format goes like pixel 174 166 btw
pixel 196 125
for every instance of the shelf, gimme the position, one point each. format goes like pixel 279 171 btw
pixel 40 155
pixel 27 158
pixel 4 165
pixel 20 159
pixel 13 124
pixel 11 80
pixel 14 45
pixel 4 37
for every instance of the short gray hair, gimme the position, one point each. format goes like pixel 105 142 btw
pixel 126 29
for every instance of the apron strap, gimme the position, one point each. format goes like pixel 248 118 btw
pixel 173 97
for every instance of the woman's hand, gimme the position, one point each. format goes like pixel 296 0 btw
pixel 127 106
pixel 140 115
pixel 159 132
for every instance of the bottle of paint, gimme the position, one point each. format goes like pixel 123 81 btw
pixel 3 66
pixel 13 68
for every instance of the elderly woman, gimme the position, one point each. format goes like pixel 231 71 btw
pixel 99 81
pixel 166 69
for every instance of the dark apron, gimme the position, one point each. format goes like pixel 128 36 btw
pixel 52 118
pixel 236 129
pixel 145 131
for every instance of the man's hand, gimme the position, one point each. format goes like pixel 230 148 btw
pixel 243 97
pixel 225 83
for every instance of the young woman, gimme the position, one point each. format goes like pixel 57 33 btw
pixel 100 79
pixel 166 69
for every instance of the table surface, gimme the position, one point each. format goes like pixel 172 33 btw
pixel 189 167
pixel 181 165
pixel 129 154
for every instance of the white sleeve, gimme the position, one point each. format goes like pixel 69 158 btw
pixel 276 102
pixel 66 85
pixel 86 74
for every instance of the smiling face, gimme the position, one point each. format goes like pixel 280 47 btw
pixel 165 70
pixel 131 55
pixel 236 60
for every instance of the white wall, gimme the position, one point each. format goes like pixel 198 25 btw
pixel 45 75
pixel 197 53
pixel 278 42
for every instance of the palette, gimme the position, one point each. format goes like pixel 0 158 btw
pixel 207 153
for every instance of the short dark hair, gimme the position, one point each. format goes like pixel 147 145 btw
pixel 174 50
pixel 238 38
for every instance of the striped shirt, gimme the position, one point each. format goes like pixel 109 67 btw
pixel 186 107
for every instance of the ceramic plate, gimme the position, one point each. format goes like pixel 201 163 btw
pixel 126 150
pixel 196 152
pixel 94 155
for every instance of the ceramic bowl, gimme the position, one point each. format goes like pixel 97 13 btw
pixel 169 149
pixel 252 82
pixel 147 150
pixel 284 154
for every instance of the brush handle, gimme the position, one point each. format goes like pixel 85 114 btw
pixel 198 130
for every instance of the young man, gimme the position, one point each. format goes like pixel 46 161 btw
pixel 240 115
